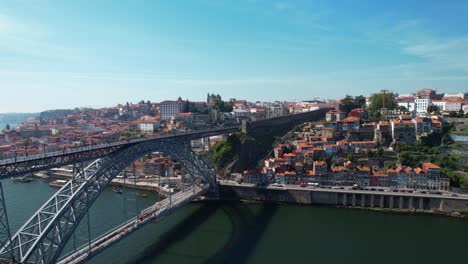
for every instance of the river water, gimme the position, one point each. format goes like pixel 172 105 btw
pixel 257 233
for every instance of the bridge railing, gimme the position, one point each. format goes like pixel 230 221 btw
pixel 153 213
pixel 85 247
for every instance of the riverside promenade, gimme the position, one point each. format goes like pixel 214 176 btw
pixel 444 203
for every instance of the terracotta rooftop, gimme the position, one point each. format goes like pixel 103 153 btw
pixel 430 165
pixel 379 174
pixel 351 119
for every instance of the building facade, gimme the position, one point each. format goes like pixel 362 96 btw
pixel 170 109
pixel 422 104
pixel 275 111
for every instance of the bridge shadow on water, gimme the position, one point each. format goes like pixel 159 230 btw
pixel 246 229
pixel 179 232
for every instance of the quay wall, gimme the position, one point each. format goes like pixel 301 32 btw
pixel 385 201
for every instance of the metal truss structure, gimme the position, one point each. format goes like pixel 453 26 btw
pixel 45 234
pixel 25 165
pixel 5 234
pixel 17 166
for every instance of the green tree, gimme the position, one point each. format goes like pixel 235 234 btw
pixel 402 109
pixel 225 151
pixel 369 153
pixel 380 152
pixel 224 107
pixel 432 108
pixel 382 100
pixel 350 157
pixel 349 103
pixel 360 101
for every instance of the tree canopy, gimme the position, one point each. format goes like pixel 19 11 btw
pixel 456 114
pixel 224 107
pixel 349 103
pixel 382 100
pixel 432 108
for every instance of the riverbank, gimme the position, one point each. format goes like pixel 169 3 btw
pixel 140 184
pixel 388 202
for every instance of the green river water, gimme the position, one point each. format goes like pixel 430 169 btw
pixel 257 233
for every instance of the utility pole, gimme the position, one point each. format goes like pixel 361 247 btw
pixel 170 193
pixel 159 187
pixel 384 91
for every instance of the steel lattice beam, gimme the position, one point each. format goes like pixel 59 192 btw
pixel 5 234
pixel 23 165
pixel 43 237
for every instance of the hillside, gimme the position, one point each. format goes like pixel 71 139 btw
pixel 15 119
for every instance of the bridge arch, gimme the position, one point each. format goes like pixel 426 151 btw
pixel 43 237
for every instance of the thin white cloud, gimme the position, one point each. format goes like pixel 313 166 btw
pixel 449 53
pixel 28 39
pixel 430 56
pixel 282 5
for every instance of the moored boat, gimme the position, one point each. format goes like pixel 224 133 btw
pixel 58 183
pixel 22 179
pixel 117 190
pixel 140 194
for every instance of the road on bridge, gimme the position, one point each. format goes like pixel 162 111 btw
pixel 154 213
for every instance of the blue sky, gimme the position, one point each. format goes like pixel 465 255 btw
pixel 62 54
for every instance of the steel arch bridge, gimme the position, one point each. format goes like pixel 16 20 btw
pixel 43 237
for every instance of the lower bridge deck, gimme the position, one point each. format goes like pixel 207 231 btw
pixel 152 214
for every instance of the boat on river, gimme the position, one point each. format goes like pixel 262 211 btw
pixel 57 183
pixel 117 190
pixel 22 179
pixel 141 194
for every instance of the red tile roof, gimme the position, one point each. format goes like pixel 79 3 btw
pixel 429 165
pixel 351 119
pixel 379 174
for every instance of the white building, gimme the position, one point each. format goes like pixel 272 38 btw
pixel 422 105
pixel 440 104
pixel 275 111
pixel 465 108
pixel 410 105
pixel 454 96
pixel 198 143
pixel 242 112
pixel 148 126
pixel 170 109
pixel 453 106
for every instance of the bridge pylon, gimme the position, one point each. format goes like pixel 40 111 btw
pixel 5 234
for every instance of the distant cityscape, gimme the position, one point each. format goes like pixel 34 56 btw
pixel 355 144
pixel 56 130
